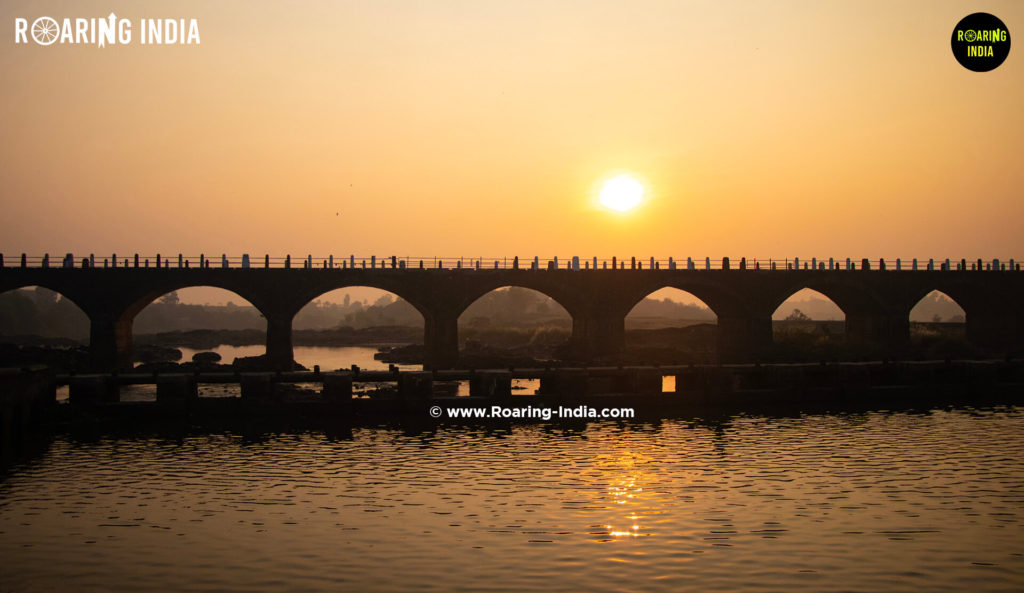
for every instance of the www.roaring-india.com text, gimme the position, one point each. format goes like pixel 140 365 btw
pixel 531 412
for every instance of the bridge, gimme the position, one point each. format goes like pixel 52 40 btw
pixel 876 296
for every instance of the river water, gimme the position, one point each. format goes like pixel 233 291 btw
pixel 328 358
pixel 877 501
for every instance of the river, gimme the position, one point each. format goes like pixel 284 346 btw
pixel 877 501
pixel 329 358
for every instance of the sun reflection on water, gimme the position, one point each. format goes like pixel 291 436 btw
pixel 627 477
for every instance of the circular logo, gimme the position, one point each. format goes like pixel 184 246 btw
pixel 980 42
pixel 435 411
pixel 45 30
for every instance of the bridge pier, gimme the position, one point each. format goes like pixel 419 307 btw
pixel 441 342
pixel 997 334
pixel 598 337
pixel 110 344
pixel 886 332
pixel 280 355
pixel 744 338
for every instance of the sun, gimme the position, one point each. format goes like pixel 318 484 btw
pixel 622 193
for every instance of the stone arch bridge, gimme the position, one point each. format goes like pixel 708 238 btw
pixel 877 302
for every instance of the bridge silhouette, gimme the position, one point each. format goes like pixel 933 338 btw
pixel 876 296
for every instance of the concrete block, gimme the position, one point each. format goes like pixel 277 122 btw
pixel 257 386
pixel 416 385
pixel 496 385
pixel 93 389
pixel 176 388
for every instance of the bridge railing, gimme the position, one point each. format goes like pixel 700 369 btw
pixel 407 262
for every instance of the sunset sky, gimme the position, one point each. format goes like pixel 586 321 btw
pixel 483 128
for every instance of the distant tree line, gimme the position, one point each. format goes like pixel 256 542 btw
pixel 40 312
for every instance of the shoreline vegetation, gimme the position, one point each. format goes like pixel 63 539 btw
pixel 492 347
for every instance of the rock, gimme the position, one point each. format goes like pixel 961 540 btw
pixel 204 358
pixel 150 353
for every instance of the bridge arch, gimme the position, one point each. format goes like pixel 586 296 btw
pixel 808 325
pixel 563 295
pixel 44 312
pixel 938 327
pixel 336 308
pixel 937 304
pixel 180 310
pixel 512 317
pixel 816 306
pixel 673 326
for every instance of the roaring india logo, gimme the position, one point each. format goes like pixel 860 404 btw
pixel 980 42
pixel 102 32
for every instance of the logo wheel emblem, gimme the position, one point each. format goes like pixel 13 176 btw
pixel 44 30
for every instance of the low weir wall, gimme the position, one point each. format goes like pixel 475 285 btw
pixel 650 391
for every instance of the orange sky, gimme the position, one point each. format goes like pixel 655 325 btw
pixel 443 127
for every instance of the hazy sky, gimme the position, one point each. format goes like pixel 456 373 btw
pixel 442 127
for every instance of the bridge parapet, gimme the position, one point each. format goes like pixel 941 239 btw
pixel 537 263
